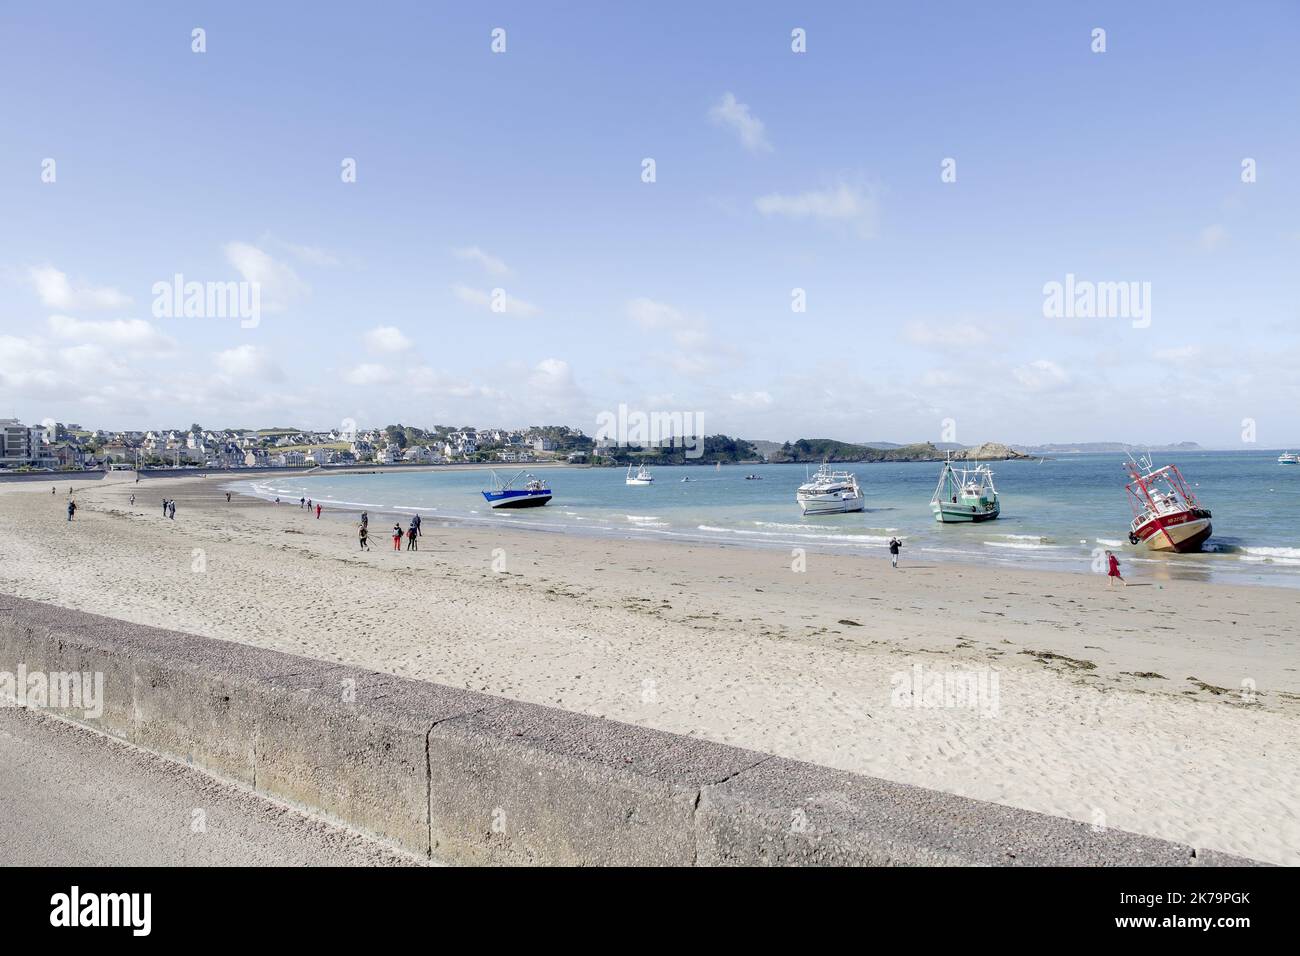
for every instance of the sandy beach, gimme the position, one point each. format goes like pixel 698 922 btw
pixel 1168 708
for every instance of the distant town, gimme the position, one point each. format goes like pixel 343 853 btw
pixel 55 446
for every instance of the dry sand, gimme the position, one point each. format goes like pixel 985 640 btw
pixel 1170 708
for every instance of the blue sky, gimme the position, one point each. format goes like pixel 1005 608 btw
pixel 522 170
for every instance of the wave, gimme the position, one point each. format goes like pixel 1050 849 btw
pixel 1035 538
pixel 1109 542
pixel 1272 552
pixel 1023 545
pixel 805 536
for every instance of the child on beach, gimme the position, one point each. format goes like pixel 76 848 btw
pixel 318 512
pixel 1112 571
pixel 397 537
pixel 894 547
pixel 361 537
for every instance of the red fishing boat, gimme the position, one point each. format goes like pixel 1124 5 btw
pixel 1166 515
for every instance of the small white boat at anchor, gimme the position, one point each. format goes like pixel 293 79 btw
pixel 830 492
pixel 642 476
pixel 1288 458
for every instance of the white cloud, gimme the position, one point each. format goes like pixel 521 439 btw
pixel 852 205
pixel 491 264
pixel 368 373
pixel 57 292
pixel 312 255
pixel 17 353
pixel 552 375
pixel 280 285
pixel 245 362
pixel 944 337
pixel 752 399
pixel 509 305
pixel 1212 237
pixel 387 338
pixel 737 117
pixel 124 333
pixel 1179 355
pixel 696 352
pixel 650 314
pixel 1040 375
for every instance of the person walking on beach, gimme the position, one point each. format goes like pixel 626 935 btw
pixel 318 512
pixel 72 509
pixel 418 531
pixel 411 543
pixel 164 507
pixel 895 546
pixel 361 537
pixel 397 537
pixel 132 500
pixel 171 510
pixel 365 519
pixel 301 502
pixel 227 497
pixel 1112 571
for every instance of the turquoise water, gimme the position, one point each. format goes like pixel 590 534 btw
pixel 1055 514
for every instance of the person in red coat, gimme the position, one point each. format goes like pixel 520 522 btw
pixel 1112 570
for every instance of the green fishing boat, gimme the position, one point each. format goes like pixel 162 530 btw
pixel 965 494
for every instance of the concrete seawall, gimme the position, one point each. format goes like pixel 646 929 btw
pixel 480 779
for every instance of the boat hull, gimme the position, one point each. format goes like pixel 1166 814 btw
pixel 817 506
pixel 517 499
pixel 962 514
pixel 640 481
pixel 1178 534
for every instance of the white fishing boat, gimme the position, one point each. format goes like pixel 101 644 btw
pixel 642 476
pixel 830 492
pixel 1288 458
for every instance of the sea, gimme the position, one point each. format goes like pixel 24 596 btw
pixel 1057 513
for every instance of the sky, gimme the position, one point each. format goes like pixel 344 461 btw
pixel 852 241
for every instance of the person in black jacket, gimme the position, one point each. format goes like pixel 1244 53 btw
pixel 895 546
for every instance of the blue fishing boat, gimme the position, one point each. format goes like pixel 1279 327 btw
pixel 533 494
